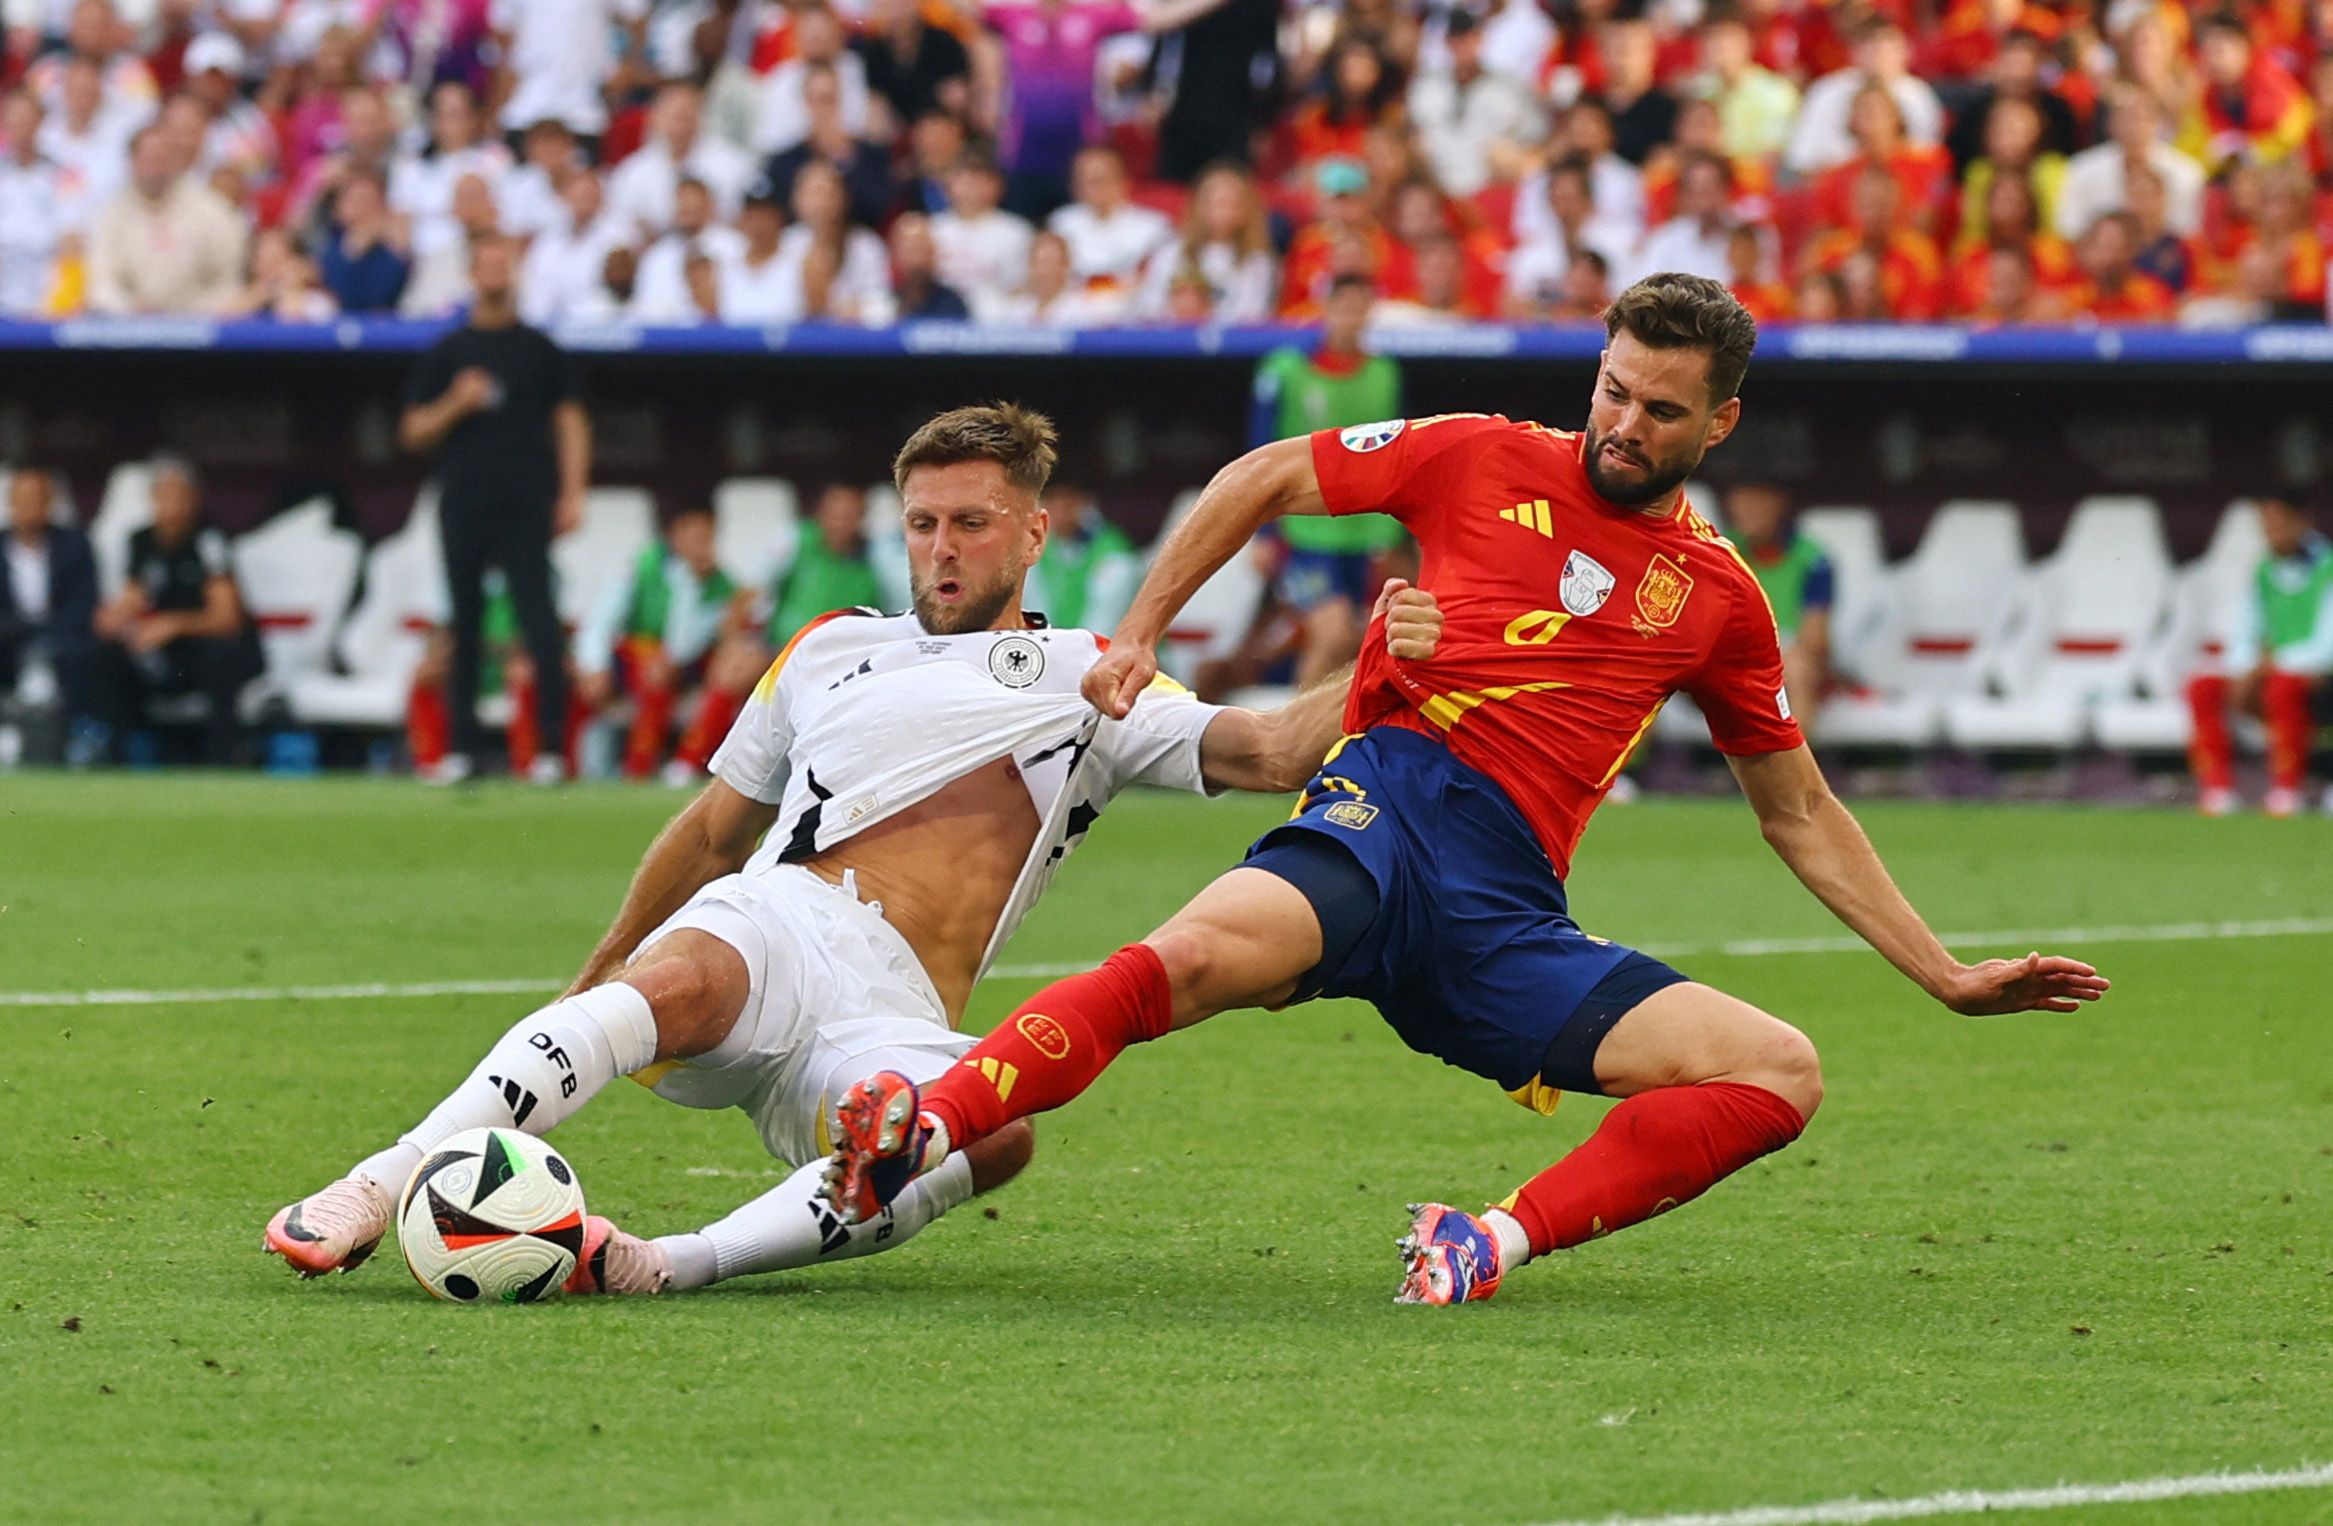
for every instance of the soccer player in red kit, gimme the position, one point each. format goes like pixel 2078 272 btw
pixel 1424 869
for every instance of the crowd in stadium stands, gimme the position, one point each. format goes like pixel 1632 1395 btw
pixel 1098 162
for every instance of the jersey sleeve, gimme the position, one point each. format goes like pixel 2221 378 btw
pixel 1739 686
pixel 1402 467
pixel 1159 741
pixel 753 758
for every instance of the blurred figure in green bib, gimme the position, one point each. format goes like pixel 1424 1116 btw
pixel 652 633
pixel 1087 575
pixel 1799 584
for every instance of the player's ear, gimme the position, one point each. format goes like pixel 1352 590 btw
pixel 1040 526
pixel 1722 422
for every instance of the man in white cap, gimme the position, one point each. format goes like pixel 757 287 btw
pixel 240 137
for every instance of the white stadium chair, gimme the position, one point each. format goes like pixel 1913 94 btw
pixel 1850 538
pixel 296 573
pixel 385 637
pixel 2091 610
pixel 126 508
pixel 1949 607
pixel 2204 598
pixel 760 520
pixel 618 524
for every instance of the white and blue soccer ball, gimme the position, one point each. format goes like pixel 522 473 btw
pixel 492 1216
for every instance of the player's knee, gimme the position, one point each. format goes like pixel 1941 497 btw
pixel 1191 958
pixel 1793 1070
pixel 1001 1156
pixel 694 994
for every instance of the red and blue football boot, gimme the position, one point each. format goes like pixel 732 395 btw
pixel 1448 1256
pixel 879 1139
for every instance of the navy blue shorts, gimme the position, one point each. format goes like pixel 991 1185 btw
pixel 1438 906
pixel 1309 579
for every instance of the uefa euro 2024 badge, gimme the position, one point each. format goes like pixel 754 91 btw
pixel 1016 661
pixel 1364 438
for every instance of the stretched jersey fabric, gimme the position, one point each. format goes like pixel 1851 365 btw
pixel 864 715
pixel 1295 395
pixel 1568 620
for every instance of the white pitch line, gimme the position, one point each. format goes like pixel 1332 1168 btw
pixel 1856 1512
pixel 1743 948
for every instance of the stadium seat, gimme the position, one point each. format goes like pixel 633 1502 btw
pixel 2084 625
pixel 618 524
pixel 1948 610
pixel 2203 599
pixel 1850 538
pixel 296 573
pixel 385 637
pixel 887 545
pixel 126 508
pixel 760 518
pixel 1217 617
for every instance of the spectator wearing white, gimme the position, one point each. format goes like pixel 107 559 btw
pixel 1882 55
pixel 440 285
pixel 782 117
pixel 1226 243
pixel 422 185
pixel 641 188
pixel 531 196
pixel 1472 122
pixel 96 36
pixel 1694 241
pixel 1054 298
pixel 984 251
pixel 2096 178
pixel 166 243
pixel 1536 270
pixel 1617 185
pixel 845 273
pixel 761 286
pixel 662 294
pixel 1107 234
pixel 33 222
pixel 283 285
pixel 237 135
pixel 1755 105
pixel 558 56
pixel 561 271
pixel 88 143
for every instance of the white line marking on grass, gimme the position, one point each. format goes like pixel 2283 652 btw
pixel 1977 1501
pixel 1743 948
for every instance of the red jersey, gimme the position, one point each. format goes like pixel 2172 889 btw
pixel 1567 620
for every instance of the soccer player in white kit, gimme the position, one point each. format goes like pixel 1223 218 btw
pixel 913 781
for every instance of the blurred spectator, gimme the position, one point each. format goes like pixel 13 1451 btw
pixel 1747 276
pixel 1343 238
pixel 759 285
pixel 2113 289
pixel 441 267
pixel 2016 74
pixel 1644 115
pixel 610 298
pixel 283 285
pixel 48 600
pixel 1535 271
pixel 1438 294
pixel 831 569
pixel 984 250
pixel 2013 146
pixel 1616 187
pixel 422 185
pixel 916 288
pixel 502 407
pixel 533 196
pixel 661 293
pixel 166 244
pixel 640 190
pixel 650 636
pixel 1799 586
pixel 2006 290
pixel 1087 575
pixel 1050 47
pixel 1107 235
pixel 1053 298
pixel 98 39
pixel 1923 172
pixel 1225 62
pixel 703 276
pixel 865 167
pixel 1359 92
pixel 1584 292
pixel 782 114
pixel 1755 105
pixel 1886 269
pixel 915 68
pixel 2163 253
pixel 427 42
pixel 363 262
pixel 843 272
pixel 935 145
pixel 236 133
pixel 1696 239
pixel 2250 109
pixel 2253 294
pixel 1226 243
pixel 1700 134
pixel 1473 123
pixel 1819 297
pixel 557 56
pixel 33 212
pixel 2285 229
pixel 367 142
pixel 2095 178
pixel 2011 223
pixel 563 264
pixel 1821 137
pixel 88 142
pixel 312 127
pixel 1328 574
pixel 2279 651
pixel 178 625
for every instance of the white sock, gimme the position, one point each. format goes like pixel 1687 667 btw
pixel 535 1077
pixel 1514 1240
pixel 791 1225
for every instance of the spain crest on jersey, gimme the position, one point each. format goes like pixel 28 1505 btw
pixel 1586 584
pixel 1364 438
pixel 1661 597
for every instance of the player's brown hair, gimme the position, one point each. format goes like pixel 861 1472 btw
pixel 1021 440
pixel 1671 311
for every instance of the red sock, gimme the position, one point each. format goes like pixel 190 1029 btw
pixel 1054 1045
pixel 2284 697
pixel 651 719
pixel 2212 754
pixel 428 725
pixel 714 718
pixel 1652 1152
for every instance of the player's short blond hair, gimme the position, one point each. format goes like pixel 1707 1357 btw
pixel 1672 311
pixel 1021 440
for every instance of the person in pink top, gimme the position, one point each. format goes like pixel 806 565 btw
pixel 1050 47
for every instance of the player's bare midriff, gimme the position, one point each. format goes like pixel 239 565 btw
pixel 943 870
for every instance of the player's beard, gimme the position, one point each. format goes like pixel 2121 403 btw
pixel 976 611
pixel 1659 480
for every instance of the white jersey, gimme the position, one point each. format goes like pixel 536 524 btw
pixel 865 715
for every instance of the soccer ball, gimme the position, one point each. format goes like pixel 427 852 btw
pixel 492 1216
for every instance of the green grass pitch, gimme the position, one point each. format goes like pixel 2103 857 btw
pixel 2008 1253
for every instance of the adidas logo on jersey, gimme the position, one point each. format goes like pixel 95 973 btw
pixel 1531 516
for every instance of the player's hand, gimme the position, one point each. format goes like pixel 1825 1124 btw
pixel 2032 984
pixel 473 389
pixel 1113 684
pixel 1413 621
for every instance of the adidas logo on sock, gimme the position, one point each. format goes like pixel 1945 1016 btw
pixel 520 1101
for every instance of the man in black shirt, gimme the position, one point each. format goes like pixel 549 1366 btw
pixel 501 405
pixel 1224 59
pixel 48 593
pixel 178 626
pixel 917 68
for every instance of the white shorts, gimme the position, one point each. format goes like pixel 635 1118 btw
pixel 836 995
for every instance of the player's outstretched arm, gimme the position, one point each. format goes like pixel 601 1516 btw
pixel 1259 487
pixel 1275 752
pixel 1825 847
pixel 714 836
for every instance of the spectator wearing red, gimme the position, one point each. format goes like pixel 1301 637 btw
pixel 1890 270
pixel 1819 297
pixel 1746 276
pixel 1343 218
pixel 2013 146
pixel 2112 288
pixel 1644 114
pixel 1701 133
pixel 1797 39
pixel 1973 34
pixel 1922 172
pixel 2250 108
pixel 2284 229
pixel 1438 293
pixel 2011 223
pixel 1423 216
pixel 2008 292
pixel 2279 654
pixel 1360 90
